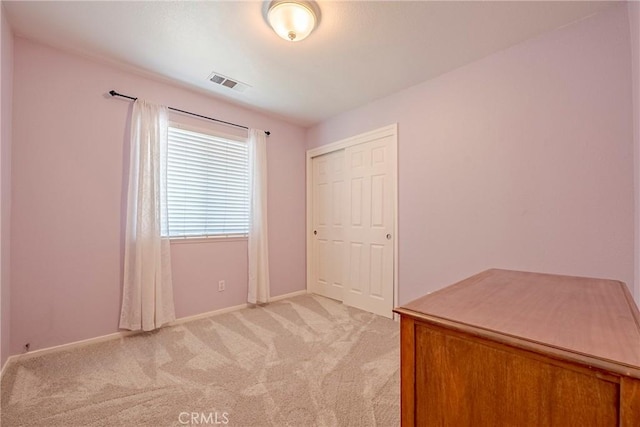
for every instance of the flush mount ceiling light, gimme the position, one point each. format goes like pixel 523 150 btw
pixel 293 20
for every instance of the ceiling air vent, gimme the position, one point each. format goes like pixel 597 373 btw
pixel 223 80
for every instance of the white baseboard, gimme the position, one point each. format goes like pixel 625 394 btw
pixel 289 295
pixel 233 308
pixel 123 334
pixel 186 319
pixel 6 363
pixel 69 346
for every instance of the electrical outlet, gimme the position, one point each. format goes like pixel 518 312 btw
pixel 221 286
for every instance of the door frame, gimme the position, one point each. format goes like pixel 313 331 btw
pixel 390 130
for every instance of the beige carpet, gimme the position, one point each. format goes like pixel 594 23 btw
pixel 306 361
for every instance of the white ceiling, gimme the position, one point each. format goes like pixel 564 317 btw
pixel 361 50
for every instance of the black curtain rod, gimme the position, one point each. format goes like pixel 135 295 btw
pixel 114 93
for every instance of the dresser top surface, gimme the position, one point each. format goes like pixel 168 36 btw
pixel 592 317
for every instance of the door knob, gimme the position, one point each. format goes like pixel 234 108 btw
pixel 315 232
pixel 388 236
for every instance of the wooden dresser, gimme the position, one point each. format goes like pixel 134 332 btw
pixel 508 348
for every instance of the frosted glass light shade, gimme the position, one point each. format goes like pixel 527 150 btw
pixel 292 21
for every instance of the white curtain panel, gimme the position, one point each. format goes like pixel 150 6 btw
pixel 258 244
pixel 147 298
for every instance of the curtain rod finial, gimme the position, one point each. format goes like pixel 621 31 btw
pixel 267 132
pixel 113 93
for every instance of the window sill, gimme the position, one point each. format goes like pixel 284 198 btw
pixel 209 239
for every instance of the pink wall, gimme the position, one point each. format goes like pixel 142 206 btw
pixel 634 26
pixel 521 160
pixel 69 158
pixel 6 91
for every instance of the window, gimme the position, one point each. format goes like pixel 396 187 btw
pixel 207 185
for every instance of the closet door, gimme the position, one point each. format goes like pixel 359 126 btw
pixel 351 209
pixel 328 219
pixel 370 186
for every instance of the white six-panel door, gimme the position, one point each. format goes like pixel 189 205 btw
pixel 352 221
pixel 369 228
pixel 328 225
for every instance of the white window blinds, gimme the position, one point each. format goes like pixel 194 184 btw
pixel 207 185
